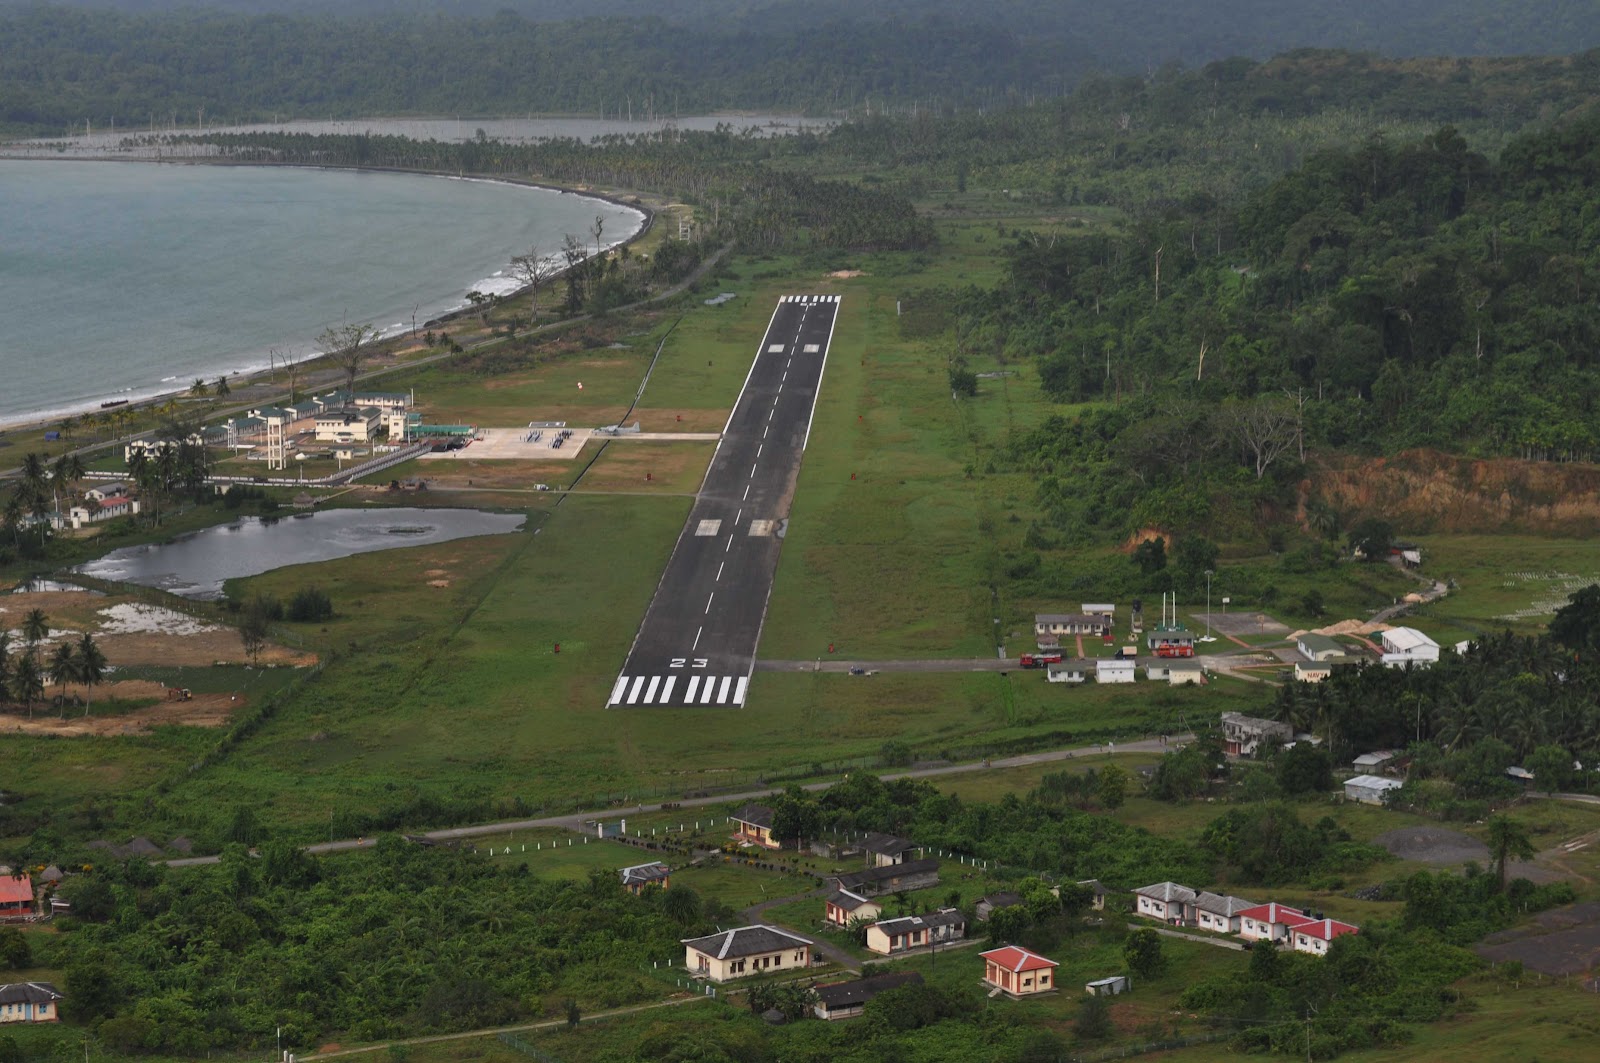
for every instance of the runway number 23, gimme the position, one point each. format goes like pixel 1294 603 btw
pixel 699 662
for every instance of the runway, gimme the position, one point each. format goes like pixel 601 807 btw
pixel 697 643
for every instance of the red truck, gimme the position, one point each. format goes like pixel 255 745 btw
pixel 1038 660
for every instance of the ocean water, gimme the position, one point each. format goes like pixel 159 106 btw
pixel 124 280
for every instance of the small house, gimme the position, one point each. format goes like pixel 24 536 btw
pixel 1074 671
pixel 994 901
pixel 1116 985
pixel 1105 609
pixel 1311 671
pixel 1016 972
pixel 1166 901
pixel 1407 645
pixel 1370 789
pixel 884 850
pixel 1271 922
pixel 1373 761
pixel 753 826
pixel 841 906
pixel 16 897
pixel 1218 912
pixel 1315 937
pixel 1112 670
pixel 104 493
pixel 745 951
pixel 30 1002
pixel 1316 647
pixel 1093 886
pixel 636 878
pixel 895 878
pixel 1185 673
pixel 892 936
pixel 1242 735
pixel 382 400
pixel 846 1000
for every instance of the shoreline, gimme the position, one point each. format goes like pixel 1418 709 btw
pixel 156 393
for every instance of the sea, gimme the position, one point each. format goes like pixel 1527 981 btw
pixel 126 280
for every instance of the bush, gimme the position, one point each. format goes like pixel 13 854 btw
pixel 309 605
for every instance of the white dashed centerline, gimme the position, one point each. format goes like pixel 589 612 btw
pixel 696 645
pixel 719 571
pixel 710 600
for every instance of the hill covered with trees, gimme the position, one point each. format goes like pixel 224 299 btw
pixel 136 61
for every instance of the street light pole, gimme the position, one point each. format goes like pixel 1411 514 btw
pixel 1209 574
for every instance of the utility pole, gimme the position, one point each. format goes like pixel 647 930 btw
pixel 1209 574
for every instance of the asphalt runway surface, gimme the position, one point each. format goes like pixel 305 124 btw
pixel 697 644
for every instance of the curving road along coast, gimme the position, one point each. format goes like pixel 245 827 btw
pixel 697 644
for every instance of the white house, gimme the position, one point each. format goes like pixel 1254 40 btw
pixel 1105 609
pixel 1315 937
pixel 1219 912
pixel 1164 900
pixel 744 951
pixel 1055 625
pixel 1067 672
pixel 1111 670
pixel 1271 922
pixel 1369 789
pixel 114 507
pixel 103 493
pixel 1407 645
pixel 1185 672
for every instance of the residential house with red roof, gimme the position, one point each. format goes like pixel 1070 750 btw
pixel 16 897
pixel 1017 972
pixel 1315 937
pixel 1271 922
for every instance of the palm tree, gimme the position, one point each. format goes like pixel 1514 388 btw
pixel 63 668
pixel 1507 842
pixel 35 626
pixel 221 388
pixel 27 681
pixel 91 668
pixel 199 389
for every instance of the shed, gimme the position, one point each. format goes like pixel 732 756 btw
pixel 1184 672
pixel 1370 789
pixel 1108 987
pixel 1374 760
pixel 1111 670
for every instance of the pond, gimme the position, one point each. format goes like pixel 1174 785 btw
pixel 196 565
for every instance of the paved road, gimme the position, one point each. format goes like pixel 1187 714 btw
pixel 697 643
pixel 578 820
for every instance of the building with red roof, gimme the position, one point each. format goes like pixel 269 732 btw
pixel 1316 936
pixel 16 897
pixel 1271 922
pixel 1017 972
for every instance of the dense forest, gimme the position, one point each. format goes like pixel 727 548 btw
pixel 149 63
pixel 1382 296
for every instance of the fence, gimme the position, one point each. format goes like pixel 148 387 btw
pixel 511 1040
